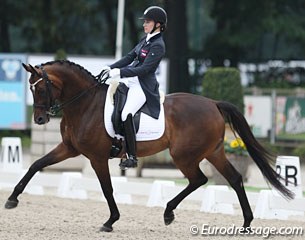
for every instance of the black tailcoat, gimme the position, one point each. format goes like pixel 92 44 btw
pixel 143 61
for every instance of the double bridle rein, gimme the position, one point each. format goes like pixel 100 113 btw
pixel 53 106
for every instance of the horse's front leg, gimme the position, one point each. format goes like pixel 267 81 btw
pixel 101 169
pixel 60 153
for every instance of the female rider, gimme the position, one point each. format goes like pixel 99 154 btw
pixel 139 67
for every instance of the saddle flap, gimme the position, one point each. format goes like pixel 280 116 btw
pixel 119 99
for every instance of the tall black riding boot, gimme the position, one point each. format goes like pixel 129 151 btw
pixel 130 143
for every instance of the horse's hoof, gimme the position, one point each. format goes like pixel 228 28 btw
pixel 106 229
pixel 11 204
pixel 169 218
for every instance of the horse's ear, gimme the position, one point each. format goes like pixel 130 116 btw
pixel 33 69
pixel 30 68
pixel 26 67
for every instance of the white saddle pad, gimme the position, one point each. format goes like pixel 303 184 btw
pixel 149 129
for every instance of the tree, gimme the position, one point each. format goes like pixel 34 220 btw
pixel 4 35
pixel 8 12
pixel 256 31
pixel 223 84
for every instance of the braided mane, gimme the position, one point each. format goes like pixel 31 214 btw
pixel 71 64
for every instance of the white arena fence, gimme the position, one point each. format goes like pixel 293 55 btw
pixel 213 199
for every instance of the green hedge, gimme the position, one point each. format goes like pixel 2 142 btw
pixel 223 84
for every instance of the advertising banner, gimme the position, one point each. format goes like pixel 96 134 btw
pixel 290 118
pixel 258 112
pixel 12 92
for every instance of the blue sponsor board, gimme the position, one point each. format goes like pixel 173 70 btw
pixel 12 91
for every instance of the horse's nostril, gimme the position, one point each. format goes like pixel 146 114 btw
pixel 40 120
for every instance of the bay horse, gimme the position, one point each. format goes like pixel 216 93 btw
pixel 194 130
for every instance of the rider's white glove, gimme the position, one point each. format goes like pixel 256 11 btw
pixel 115 73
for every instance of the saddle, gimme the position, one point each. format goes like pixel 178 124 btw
pixel 119 99
pixel 118 95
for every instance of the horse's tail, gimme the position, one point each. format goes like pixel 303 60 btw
pixel 262 157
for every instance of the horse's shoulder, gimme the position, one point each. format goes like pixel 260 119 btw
pixel 65 131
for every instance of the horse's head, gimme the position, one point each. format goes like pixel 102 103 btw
pixel 45 89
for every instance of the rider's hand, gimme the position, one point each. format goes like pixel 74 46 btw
pixel 115 73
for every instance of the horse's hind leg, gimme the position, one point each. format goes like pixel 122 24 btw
pixel 196 179
pixel 235 180
pixel 60 153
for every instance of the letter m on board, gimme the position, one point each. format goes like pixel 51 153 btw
pixel 13 156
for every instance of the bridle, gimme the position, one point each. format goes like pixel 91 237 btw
pixel 51 102
pixel 53 106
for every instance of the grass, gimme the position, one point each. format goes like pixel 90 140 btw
pixel 25 136
pixel 26 142
pixel 287 136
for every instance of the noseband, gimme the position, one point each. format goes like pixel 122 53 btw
pixel 52 108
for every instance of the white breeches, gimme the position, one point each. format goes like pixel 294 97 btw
pixel 135 97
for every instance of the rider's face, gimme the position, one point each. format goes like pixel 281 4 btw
pixel 148 26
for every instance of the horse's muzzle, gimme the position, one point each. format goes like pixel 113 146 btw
pixel 41 119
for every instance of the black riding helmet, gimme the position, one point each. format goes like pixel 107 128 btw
pixel 158 15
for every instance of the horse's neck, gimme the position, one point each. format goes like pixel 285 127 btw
pixel 73 87
pixel 90 99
